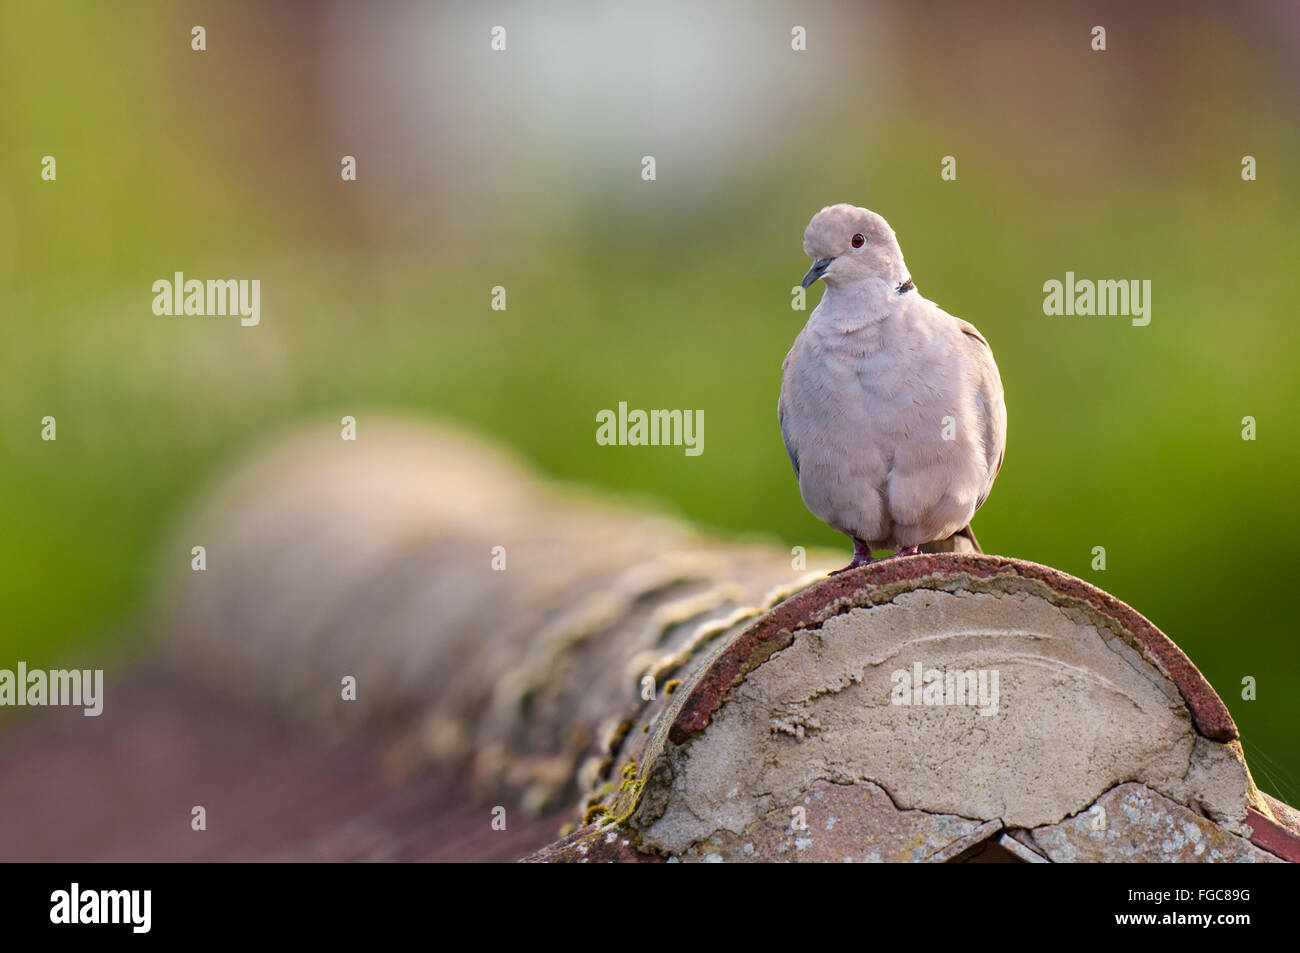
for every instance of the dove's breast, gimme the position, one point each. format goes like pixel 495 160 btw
pixel 883 415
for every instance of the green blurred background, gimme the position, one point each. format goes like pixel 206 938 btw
pixel 522 169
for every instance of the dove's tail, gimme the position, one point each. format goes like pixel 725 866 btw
pixel 962 541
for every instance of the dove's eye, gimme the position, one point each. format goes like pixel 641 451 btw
pixel 858 240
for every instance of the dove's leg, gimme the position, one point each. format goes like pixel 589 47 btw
pixel 861 556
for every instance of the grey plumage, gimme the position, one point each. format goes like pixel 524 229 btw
pixel 891 409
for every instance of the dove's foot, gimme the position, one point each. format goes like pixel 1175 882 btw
pixel 861 556
pixel 908 551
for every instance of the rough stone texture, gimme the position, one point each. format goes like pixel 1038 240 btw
pixel 1282 814
pixel 1021 851
pixel 593 844
pixel 1273 837
pixel 1132 823
pixel 872 583
pixel 844 823
pixel 1081 709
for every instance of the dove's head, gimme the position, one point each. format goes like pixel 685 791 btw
pixel 849 244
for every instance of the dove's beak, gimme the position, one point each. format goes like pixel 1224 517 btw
pixel 817 270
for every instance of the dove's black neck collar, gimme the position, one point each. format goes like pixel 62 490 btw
pixel 906 286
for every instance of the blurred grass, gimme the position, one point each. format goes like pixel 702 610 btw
pixel 1122 437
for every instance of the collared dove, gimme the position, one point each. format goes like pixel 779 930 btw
pixel 891 408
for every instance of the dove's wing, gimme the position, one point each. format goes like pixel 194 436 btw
pixel 992 406
pixel 785 432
